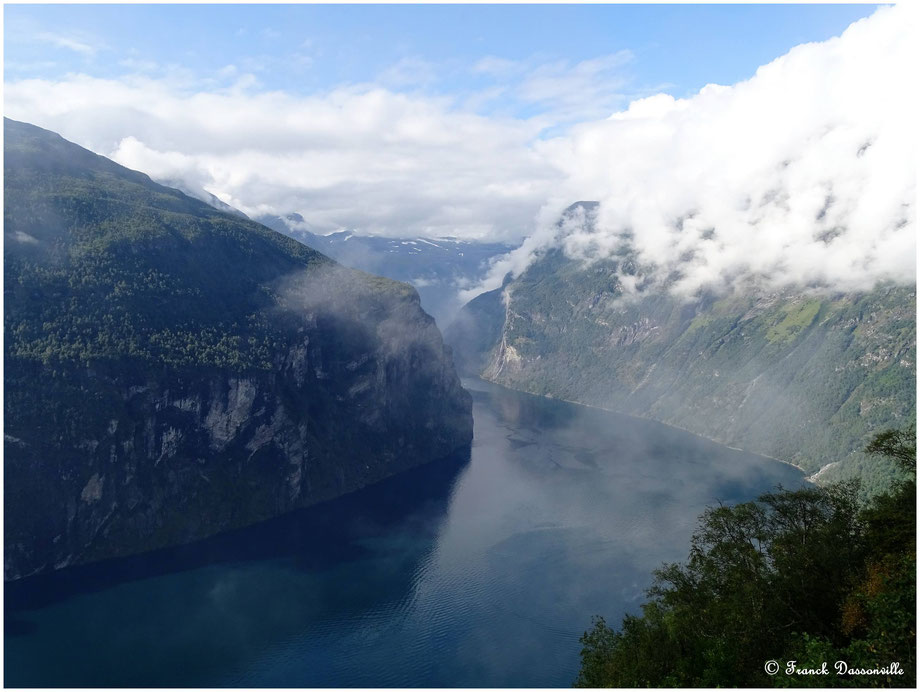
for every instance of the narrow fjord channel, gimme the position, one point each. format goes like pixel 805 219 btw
pixel 481 570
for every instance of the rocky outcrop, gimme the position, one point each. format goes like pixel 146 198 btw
pixel 163 458
pixel 173 371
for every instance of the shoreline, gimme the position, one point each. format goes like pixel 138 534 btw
pixel 807 477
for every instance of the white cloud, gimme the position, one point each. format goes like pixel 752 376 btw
pixel 566 92
pixel 357 157
pixel 804 175
pixel 596 83
pixel 78 45
pixel 29 66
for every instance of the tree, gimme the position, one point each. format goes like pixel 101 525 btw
pixel 899 445
pixel 807 575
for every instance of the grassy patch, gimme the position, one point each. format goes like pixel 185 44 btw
pixel 799 316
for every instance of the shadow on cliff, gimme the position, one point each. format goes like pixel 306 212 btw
pixel 314 538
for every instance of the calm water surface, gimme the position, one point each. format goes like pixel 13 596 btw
pixel 481 570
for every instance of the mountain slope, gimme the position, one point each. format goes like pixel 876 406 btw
pixel 476 329
pixel 804 377
pixel 437 267
pixel 173 371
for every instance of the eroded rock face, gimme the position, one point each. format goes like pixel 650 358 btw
pixel 173 371
pixel 804 376
pixel 165 458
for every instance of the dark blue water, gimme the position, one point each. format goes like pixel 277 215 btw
pixel 480 570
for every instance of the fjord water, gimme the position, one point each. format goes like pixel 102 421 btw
pixel 479 570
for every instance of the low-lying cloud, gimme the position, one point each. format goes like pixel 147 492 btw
pixel 804 175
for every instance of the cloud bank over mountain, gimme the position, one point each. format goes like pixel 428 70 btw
pixel 804 174
pixel 361 156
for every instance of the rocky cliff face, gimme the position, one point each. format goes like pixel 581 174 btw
pixel 806 377
pixel 172 372
pixel 165 458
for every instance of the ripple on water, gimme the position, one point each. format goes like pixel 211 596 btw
pixel 560 515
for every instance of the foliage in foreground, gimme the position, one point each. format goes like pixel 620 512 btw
pixel 804 575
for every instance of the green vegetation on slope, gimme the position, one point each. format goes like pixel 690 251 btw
pixel 172 371
pixel 806 377
pixel 475 329
pixel 108 272
pixel 102 264
pixel 802 577
pixel 799 316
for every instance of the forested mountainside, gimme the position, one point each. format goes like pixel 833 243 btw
pixel 800 588
pixel 803 376
pixel 437 267
pixel 173 371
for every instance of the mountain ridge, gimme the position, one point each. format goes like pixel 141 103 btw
pixel 800 376
pixel 174 371
pixel 436 267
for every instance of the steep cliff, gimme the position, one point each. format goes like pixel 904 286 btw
pixel 173 371
pixel 803 376
pixel 476 329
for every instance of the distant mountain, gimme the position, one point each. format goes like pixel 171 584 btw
pixel 172 371
pixel 801 376
pixel 437 267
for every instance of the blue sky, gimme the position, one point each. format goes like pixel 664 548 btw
pixel 304 49
pixel 486 121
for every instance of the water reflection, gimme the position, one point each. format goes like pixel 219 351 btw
pixel 480 571
pixel 183 615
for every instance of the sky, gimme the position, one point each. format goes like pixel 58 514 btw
pixel 477 121
pixel 303 49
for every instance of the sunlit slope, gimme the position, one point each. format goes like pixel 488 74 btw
pixel 803 376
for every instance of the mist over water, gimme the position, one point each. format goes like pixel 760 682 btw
pixel 480 570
